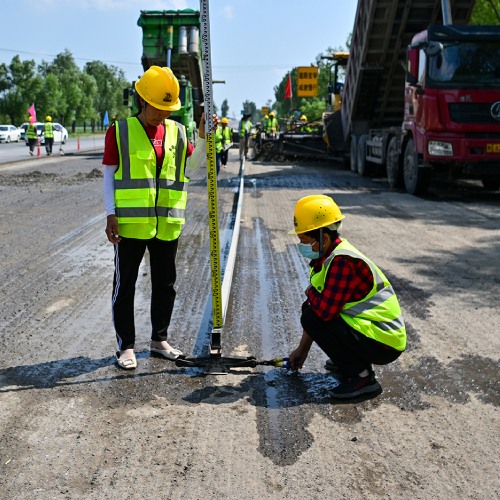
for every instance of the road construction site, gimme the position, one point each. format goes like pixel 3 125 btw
pixel 73 425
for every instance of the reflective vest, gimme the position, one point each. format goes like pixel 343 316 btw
pixel 150 202
pixel 378 315
pixel 227 135
pixel 272 125
pixel 245 127
pixel 218 140
pixel 31 132
pixel 48 130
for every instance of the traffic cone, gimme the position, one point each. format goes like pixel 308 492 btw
pixel 39 152
pixel 78 142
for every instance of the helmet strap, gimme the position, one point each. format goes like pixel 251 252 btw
pixel 320 241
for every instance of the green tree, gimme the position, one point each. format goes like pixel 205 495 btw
pixel 224 109
pixel 20 86
pixel 110 82
pixel 250 108
pixel 486 12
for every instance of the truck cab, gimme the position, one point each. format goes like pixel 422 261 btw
pixel 452 104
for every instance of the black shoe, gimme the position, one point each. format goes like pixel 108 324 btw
pixel 333 368
pixel 353 387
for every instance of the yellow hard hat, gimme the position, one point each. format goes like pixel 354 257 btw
pixel 48 118
pixel 303 118
pixel 160 88
pixel 224 120
pixel 313 212
pixel 266 117
pixel 272 113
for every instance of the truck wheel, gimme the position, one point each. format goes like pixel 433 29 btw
pixel 491 183
pixel 363 168
pixel 394 170
pixel 416 178
pixel 354 153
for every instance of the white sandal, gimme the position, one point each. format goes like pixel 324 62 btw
pixel 170 353
pixel 127 363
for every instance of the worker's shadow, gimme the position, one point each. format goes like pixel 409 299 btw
pixel 49 374
pixel 278 388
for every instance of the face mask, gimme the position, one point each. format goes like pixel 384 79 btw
pixel 306 250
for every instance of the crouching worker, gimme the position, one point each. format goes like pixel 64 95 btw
pixel 351 310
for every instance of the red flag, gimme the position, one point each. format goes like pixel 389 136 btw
pixel 32 112
pixel 288 89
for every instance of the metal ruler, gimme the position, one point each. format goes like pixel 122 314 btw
pixel 213 212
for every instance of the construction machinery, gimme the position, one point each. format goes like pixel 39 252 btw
pixel 171 38
pixel 420 96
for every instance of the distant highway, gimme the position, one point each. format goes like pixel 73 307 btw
pixel 18 151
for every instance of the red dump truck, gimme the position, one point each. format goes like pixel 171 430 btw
pixel 422 98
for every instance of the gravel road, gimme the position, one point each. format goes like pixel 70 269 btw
pixel 73 426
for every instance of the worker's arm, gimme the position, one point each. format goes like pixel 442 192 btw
pixel 299 355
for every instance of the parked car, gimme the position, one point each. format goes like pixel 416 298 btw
pixel 60 133
pixel 9 133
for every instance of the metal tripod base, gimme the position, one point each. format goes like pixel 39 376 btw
pixel 217 365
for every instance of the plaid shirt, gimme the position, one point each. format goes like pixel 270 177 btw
pixel 348 280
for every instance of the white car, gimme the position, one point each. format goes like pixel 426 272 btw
pixel 9 133
pixel 60 133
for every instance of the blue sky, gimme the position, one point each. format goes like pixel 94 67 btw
pixel 254 43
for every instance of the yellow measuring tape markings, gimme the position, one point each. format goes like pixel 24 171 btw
pixel 213 221
pixel 213 210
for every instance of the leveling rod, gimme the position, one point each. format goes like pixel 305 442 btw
pixel 213 212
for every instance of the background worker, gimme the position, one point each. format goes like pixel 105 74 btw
pixel 245 129
pixel 145 158
pixel 227 140
pixel 351 310
pixel 48 134
pixel 31 134
pixel 272 125
pixel 219 147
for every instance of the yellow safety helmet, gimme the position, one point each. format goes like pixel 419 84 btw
pixel 266 117
pixel 224 120
pixel 303 118
pixel 313 212
pixel 48 118
pixel 272 113
pixel 160 88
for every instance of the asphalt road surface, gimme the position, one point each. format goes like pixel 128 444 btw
pixel 73 425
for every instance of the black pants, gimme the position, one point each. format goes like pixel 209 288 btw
pixel 351 351
pixel 49 141
pixel 128 256
pixel 223 157
pixel 32 143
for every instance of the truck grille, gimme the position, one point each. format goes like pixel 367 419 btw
pixel 473 112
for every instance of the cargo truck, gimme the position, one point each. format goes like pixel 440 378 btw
pixel 420 97
pixel 172 38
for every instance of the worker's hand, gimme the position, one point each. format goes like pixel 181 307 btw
pixel 201 129
pixel 298 357
pixel 112 229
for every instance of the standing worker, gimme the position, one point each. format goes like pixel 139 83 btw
pixel 272 125
pixel 245 128
pixel 227 140
pixel 351 310
pixel 32 134
pixel 48 134
pixel 145 158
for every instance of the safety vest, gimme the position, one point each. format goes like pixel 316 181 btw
pixel 227 135
pixel 272 125
pixel 48 130
pixel 31 132
pixel 378 315
pixel 218 140
pixel 245 127
pixel 150 202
